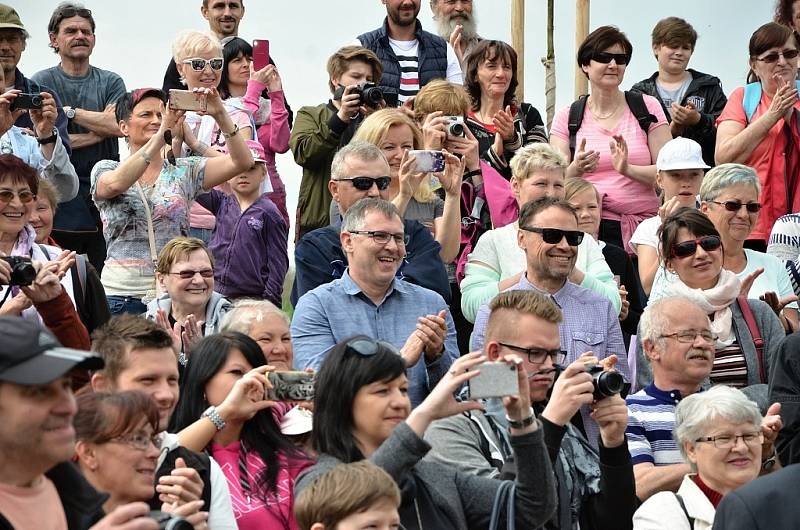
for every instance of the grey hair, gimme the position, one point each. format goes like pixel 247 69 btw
pixel 653 322
pixel 355 215
pixel 696 413
pixel 726 175
pixel 359 149
pixel 246 311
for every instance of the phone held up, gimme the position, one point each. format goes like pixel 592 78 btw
pixel 186 100
pixel 260 54
pixel 496 379
pixel 428 161
pixel 291 386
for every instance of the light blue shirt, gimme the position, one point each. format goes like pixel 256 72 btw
pixel 58 170
pixel 339 310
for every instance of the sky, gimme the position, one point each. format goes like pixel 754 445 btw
pixel 134 40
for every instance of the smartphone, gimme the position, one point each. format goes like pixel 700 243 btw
pixel 428 161
pixel 260 54
pixel 291 386
pixel 496 379
pixel 186 100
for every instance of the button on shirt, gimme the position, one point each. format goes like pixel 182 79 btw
pixel 339 310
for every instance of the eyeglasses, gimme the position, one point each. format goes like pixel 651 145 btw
pixel 382 238
pixel 139 440
pixel 606 57
pixel 735 206
pixel 25 196
pixel 773 57
pixel 198 64
pixel 688 248
pixel 553 236
pixel 538 355
pixel 188 274
pixel 728 441
pixel 369 347
pixel 365 183
pixel 688 336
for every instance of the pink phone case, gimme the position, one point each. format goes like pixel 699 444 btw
pixel 260 54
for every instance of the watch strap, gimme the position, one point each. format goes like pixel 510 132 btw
pixel 49 139
pixel 521 424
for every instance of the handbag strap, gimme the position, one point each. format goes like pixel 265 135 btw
pixel 506 489
pixel 685 511
pixel 151 235
pixel 752 326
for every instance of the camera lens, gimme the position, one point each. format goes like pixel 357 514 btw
pixel 36 101
pixel 456 129
pixel 607 384
pixel 372 96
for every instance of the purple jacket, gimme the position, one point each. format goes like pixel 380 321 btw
pixel 250 247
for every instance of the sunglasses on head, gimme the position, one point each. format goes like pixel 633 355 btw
pixel 553 236
pixel 773 57
pixel 688 248
pixel 368 347
pixel 25 196
pixel 606 57
pixel 69 12
pixel 735 206
pixel 198 64
pixel 365 183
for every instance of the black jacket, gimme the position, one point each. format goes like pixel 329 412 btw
pixel 784 388
pixel 767 503
pixel 706 94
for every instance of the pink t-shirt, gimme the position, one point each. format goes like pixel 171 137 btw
pixel 605 178
pixel 252 513
pixel 36 507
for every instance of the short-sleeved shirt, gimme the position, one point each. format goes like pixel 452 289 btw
pixel 605 178
pixel 129 269
pixel 35 507
pixel 647 233
pixel 784 241
pixel 651 420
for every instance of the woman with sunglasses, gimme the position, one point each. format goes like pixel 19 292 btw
pixel 362 411
pixel 610 148
pixel 117 451
pixel 224 386
pixel 759 126
pixel 693 251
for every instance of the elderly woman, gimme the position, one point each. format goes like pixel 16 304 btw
pixel 759 126
pixel 266 324
pixel 618 137
pixel 144 201
pixel 500 123
pixel 720 435
pixel 117 450
pixel 693 251
pixel 729 197
pixel 187 307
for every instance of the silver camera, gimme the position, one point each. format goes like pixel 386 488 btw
pixel 455 126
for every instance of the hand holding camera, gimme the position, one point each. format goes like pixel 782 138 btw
pixel 8 113
pixel 44 116
pixel 465 147
pixel 350 102
pixel 574 388
pixel 247 397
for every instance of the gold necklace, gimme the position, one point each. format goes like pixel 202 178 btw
pixel 597 117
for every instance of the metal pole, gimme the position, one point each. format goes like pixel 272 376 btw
pixel 581 31
pixel 518 42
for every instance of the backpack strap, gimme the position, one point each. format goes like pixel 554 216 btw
pixel 685 511
pixel 752 327
pixel 635 101
pixel 576 112
pixel 751 98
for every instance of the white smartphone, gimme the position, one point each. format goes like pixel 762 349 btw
pixel 496 379
pixel 428 161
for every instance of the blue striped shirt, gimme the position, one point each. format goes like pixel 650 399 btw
pixel 651 420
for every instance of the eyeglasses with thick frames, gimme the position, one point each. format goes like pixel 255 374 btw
pixel 606 57
pixel 728 441
pixel 188 275
pixel 735 206
pixel 198 64
pixel 538 355
pixel 365 183
pixel 773 57
pixel 553 236
pixel 25 196
pixel 688 336
pixel 139 440
pixel 383 238
pixel 689 248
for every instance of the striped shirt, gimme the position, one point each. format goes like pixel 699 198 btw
pixel 407 56
pixel 730 367
pixel 651 419
pixel 784 241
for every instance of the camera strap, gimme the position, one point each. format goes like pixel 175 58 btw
pixel 151 235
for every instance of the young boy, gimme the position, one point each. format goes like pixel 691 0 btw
pixel 349 497
pixel 250 239
pixel 679 173
pixel 692 100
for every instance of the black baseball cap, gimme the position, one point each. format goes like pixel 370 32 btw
pixel 31 355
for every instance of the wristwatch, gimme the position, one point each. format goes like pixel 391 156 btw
pixel 69 111
pixel 521 424
pixel 48 139
pixel 769 463
pixel 214 417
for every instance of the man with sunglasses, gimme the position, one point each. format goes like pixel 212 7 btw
pixel 595 489
pixel 360 170
pixel 369 299
pixel 549 235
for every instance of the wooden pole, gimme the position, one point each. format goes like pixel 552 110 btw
pixel 550 68
pixel 581 31
pixel 518 42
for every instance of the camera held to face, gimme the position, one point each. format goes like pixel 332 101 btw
pixel 606 384
pixel 455 126
pixel 370 94
pixel 22 270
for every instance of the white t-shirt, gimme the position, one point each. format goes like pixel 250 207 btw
pixel 647 233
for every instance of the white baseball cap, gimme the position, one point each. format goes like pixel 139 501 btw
pixel 680 153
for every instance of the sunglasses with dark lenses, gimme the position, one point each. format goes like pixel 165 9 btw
pixel 735 206
pixel 25 196
pixel 688 248
pixel 369 347
pixel 365 183
pixel 606 57
pixel 553 236
pixel 188 275
pixel 773 57
pixel 198 64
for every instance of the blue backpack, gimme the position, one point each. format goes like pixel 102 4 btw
pixel 752 97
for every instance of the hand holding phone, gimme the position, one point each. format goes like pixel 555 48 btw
pixel 428 161
pixel 496 379
pixel 260 54
pixel 290 386
pixel 187 100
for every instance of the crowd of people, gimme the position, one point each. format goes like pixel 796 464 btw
pixel 591 324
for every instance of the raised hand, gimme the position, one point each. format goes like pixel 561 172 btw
pixel 453 173
pixel 46 286
pixel 747 283
pixel 457 43
pixel 571 391
pixel 619 154
pixel 7 117
pixel 44 119
pixel 247 397
pixel 432 331
pixel 181 486
pixel 503 121
pixel 611 416
pixel 349 104
pixel 585 161
pixel 434 131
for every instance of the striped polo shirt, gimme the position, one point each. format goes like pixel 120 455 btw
pixel 651 419
pixel 407 53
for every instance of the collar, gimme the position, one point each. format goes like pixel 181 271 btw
pixel 714 496
pixel 669 397
pixel 559 297
pixel 417 28
pixel 350 286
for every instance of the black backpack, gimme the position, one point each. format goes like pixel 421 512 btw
pixel 635 102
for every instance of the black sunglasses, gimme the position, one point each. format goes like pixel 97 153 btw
pixel 606 57
pixel 735 206
pixel 688 248
pixel 365 183
pixel 773 57
pixel 368 347
pixel 553 236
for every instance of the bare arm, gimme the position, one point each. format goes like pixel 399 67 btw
pixel 448 229
pixel 103 124
pixel 78 140
pixel 223 168
pixel 648 266
pixel 651 479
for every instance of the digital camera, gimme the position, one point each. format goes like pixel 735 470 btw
pixel 22 271
pixel 606 384
pixel 27 101
pixel 369 94
pixel 455 126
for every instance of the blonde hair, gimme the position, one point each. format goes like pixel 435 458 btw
pixel 518 302
pixel 375 128
pixel 576 185
pixel 443 96
pixel 180 248
pixel 190 43
pixel 536 157
pixel 245 311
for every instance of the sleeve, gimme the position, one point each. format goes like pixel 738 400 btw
pixel 220 513
pixel 784 388
pixel 60 317
pixel 252 96
pixel 211 200
pixel 116 89
pixel 657 110
pixel 103 166
pixel 479 330
pixel 456 443
pixel 312 267
pixel 559 127
pixel 439 367
pixel 60 172
pixel 276 234
pixel 662 511
pixel 784 241
pixel 734 110
pixel 553 435
pixel 454 74
pixel 278 139
pixel 422 265
pixel 638 444
pixel 614 505
pixel 615 344
pixel 598 276
pixel 706 128
pixel 312 336
pixel 314 142
pixel 533 127
pixel 644 235
pixel 734 514
pixel 478 286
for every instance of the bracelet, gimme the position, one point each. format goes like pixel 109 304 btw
pixel 214 417
pixel 50 139
pixel 232 133
pixel 145 157
pixel 521 424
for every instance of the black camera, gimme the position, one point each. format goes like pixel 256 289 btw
pixel 27 101
pixel 606 384
pixel 167 521
pixel 369 94
pixel 22 271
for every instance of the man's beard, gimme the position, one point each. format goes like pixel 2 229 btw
pixel 446 26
